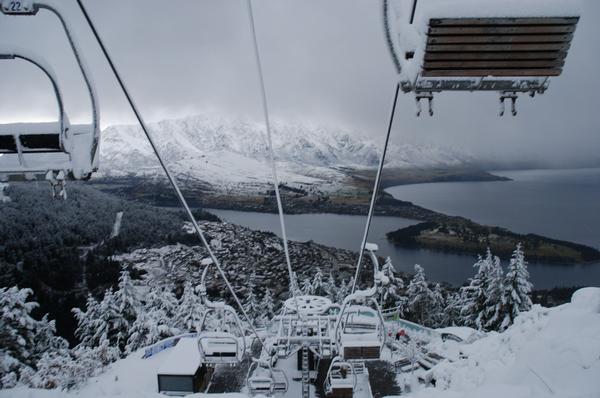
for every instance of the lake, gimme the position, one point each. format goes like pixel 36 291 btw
pixel 561 204
pixel 552 203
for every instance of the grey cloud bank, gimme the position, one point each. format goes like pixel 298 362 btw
pixel 325 62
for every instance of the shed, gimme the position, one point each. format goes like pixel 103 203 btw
pixel 182 372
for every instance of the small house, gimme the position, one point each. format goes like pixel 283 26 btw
pixel 182 372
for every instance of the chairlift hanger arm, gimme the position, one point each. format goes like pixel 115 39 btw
pixel 51 76
pixel 163 165
pixel 376 186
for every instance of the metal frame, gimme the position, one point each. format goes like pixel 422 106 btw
pixel 507 86
pixel 270 379
pixel 337 361
pixel 64 124
pixel 221 310
pixel 40 5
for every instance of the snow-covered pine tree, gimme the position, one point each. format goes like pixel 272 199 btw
pixel 16 333
pixel 155 321
pixel 251 304
pixel 16 329
pixel 23 340
pixel 111 325
pixel 143 332
pixel 86 321
pixel 473 296
pixel 268 304
pixel 46 339
pixel 343 291
pixel 54 370
pixel 307 287
pixel 492 316
pixel 391 285
pixel 331 288
pixel 517 288
pixel 452 312
pixel 420 298
pixel 318 285
pixel 438 308
pixel 128 306
pixel 267 308
pixel 190 311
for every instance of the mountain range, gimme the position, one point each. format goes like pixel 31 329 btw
pixel 229 153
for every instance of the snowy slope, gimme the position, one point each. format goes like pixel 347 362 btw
pixel 221 151
pixel 546 353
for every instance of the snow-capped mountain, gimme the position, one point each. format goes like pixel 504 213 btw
pixel 220 151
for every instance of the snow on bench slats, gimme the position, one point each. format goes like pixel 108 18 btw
pixel 413 38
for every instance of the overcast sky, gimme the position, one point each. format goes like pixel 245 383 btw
pixel 325 62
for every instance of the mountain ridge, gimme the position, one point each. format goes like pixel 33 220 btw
pixel 225 153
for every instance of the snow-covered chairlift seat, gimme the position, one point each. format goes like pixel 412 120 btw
pixel 341 379
pixel 263 379
pixel 497 54
pixel 485 45
pixel 219 348
pixel 360 337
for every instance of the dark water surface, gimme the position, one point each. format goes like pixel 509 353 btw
pixel 563 204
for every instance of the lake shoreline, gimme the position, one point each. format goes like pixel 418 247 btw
pixel 298 201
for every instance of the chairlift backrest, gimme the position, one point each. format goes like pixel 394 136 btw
pixel 227 345
pixel 359 337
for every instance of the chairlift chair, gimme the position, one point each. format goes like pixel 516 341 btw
pixel 263 379
pixel 221 346
pixel 55 151
pixel 360 328
pixel 360 332
pixel 503 53
pixel 341 379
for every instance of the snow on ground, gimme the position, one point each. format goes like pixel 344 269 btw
pixel 132 377
pixel 547 353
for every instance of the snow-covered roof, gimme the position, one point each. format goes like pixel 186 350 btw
pixel 184 359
